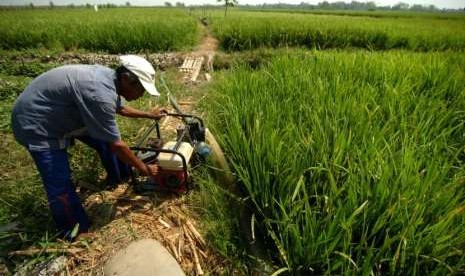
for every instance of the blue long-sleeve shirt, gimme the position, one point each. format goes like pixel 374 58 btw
pixel 65 102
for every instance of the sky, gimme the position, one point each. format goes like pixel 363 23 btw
pixel 450 4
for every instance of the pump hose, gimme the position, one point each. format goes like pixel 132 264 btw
pixel 171 99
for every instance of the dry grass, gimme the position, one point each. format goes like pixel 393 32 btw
pixel 169 220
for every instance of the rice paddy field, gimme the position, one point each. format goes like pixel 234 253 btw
pixel 353 161
pixel 249 30
pixel 345 130
pixel 352 158
pixel 110 30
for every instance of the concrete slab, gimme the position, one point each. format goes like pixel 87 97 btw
pixel 143 258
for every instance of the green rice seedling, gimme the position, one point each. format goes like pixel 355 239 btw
pixel 354 161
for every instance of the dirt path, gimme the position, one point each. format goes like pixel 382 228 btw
pixel 205 51
pixel 209 44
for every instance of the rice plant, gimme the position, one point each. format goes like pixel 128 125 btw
pixel 114 30
pixel 249 30
pixel 354 161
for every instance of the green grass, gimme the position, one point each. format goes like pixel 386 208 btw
pixel 119 30
pixel 249 30
pixel 217 208
pixel 354 161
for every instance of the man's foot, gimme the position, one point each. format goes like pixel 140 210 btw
pixel 85 236
pixel 112 183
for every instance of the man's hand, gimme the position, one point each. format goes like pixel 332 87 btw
pixel 158 113
pixel 152 170
pixel 127 156
pixel 130 112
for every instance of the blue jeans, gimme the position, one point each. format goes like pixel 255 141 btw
pixel 117 171
pixel 55 172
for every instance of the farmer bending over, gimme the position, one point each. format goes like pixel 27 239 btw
pixel 81 101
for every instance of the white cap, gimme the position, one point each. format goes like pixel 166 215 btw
pixel 144 71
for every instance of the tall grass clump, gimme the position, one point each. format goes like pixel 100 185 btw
pixel 250 30
pixel 113 30
pixel 353 161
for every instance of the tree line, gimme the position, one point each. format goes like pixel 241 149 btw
pixel 325 5
pixel 354 5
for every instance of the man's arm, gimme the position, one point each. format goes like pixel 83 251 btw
pixel 127 156
pixel 128 111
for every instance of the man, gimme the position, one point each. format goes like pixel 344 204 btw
pixel 81 101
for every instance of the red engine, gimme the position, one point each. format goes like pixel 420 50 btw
pixel 173 181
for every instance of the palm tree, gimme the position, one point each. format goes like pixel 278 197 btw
pixel 228 3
